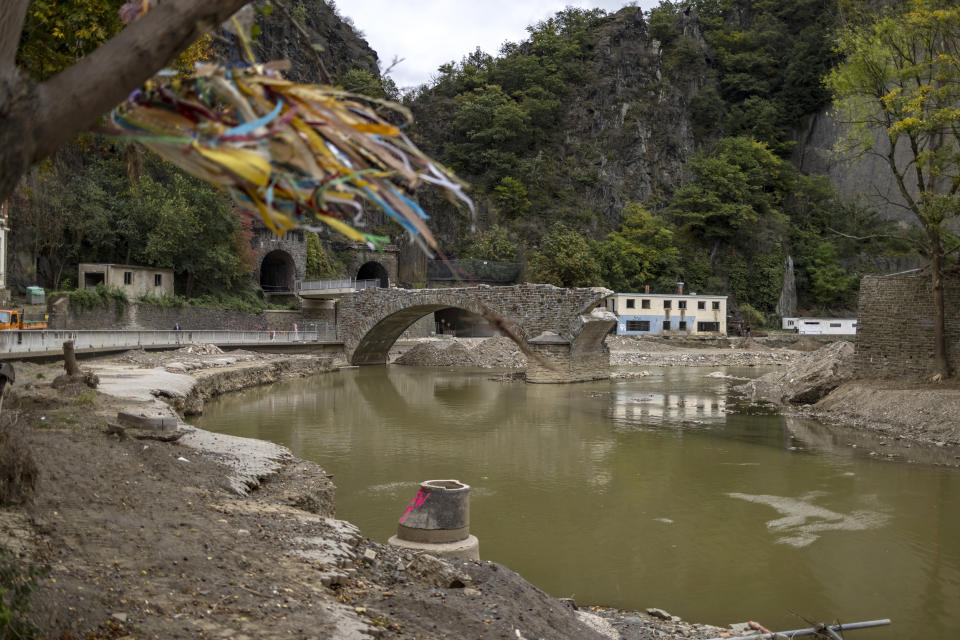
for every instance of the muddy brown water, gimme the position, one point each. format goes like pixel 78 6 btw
pixel 665 491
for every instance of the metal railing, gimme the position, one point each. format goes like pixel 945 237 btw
pixel 99 339
pixel 470 269
pixel 338 283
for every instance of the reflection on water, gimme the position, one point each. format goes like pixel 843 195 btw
pixel 661 491
pixel 803 522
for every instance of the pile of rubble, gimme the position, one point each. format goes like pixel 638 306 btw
pixel 189 358
pixel 807 380
pixel 493 353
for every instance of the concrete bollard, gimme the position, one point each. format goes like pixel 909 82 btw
pixel 437 521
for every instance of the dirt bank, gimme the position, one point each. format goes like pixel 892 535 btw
pixel 909 420
pixel 211 536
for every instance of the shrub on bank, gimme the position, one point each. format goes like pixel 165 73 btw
pixel 18 470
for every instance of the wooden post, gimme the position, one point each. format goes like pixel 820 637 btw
pixel 70 359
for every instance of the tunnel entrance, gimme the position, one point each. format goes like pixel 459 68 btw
pixel 277 272
pixel 374 271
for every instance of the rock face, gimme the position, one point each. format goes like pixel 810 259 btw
pixel 787 306
pixel 806 381
pixel 340 47
pixel 624 135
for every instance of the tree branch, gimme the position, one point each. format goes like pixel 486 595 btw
pixel 12 14
pixel 861 238
pixel 75 98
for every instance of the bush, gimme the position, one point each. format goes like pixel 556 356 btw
pixel 18 470
pixel 751 316
pixel 100 296
pixel 165 302
pixel 17 582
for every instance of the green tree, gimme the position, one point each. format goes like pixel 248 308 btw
pixel 565 259
pixel 899 88
pixel 736 191
pixel 192 230
pixel 365 82
pixel 511 197
pixel 639 252
pixel 491 244
pixel 319 263
pixel 488 130
pixel 829 283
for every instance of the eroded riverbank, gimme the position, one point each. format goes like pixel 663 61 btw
pixel 147 538
pixel 143 538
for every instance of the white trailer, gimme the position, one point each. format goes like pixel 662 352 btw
pixel 821 326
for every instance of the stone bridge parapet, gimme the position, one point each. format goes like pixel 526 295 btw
pixel 562 326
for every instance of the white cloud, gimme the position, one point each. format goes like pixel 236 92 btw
pixel 429 33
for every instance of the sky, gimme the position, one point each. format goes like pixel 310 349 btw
pixel 429 33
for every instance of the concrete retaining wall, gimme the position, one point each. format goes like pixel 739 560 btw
pixel 895 325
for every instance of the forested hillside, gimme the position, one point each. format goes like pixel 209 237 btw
pixel 623 149
pixel 634 149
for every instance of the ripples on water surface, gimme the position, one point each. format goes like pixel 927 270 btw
pixel 657 491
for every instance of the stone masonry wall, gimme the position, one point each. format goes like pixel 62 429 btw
pixel 895 325
pixel 146 317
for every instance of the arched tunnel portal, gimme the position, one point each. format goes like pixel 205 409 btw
pixel 277 272
pixel 374 271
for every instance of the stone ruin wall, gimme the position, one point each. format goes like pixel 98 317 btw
pixel 895 325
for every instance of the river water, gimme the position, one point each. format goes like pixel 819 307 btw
pixel 665 491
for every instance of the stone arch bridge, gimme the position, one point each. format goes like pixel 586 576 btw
pixel 563 327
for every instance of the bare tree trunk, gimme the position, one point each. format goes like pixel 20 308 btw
pixel 941 362
pixel 70 359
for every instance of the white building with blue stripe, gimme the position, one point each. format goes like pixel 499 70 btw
pixel 669 314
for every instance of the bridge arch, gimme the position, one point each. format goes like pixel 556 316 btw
pixel 373 270
pixel 277 271
pixel 374 346
pixel 564 327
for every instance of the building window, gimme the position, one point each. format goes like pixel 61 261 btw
pixel 708 326
pixel 631 303
pixel 127 277
pixel 667 304
pixel 666 325
pixel 683 325
pixel 682 304
pixel 701 305
pixel 638 325
pixel 644 304
pixel 716 306
pixel 835 324
pixel 157 279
